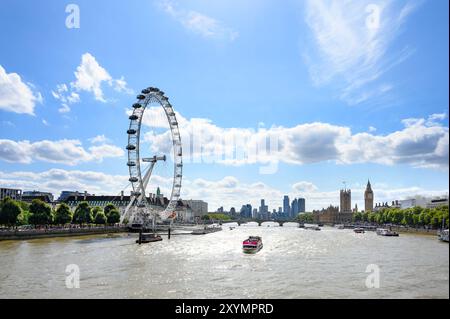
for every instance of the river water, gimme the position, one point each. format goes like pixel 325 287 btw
pixel 294 263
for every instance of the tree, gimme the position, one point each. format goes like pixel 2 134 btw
pixel 63 214
pixel 306 218
pixel 95 211
pixel 83 214
pixel 100 218
pixel 40 213
pixel 108 209
pixel 357 217
pixel 205 217
pixel 113 217
pixel 9 212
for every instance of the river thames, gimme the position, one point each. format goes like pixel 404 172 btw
pixel 294 263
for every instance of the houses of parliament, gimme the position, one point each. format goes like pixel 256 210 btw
pixel 344 212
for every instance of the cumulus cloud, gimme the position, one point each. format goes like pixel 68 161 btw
pixel 89 77
pixel 15 95
pixel 420 143
pixel 68 152
pixel 351 44
pixel 199 23
pixel 99 139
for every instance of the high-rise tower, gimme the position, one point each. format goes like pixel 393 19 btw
pixel 346 201
pixel 368 198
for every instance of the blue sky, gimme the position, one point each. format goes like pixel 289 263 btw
pixel 346 101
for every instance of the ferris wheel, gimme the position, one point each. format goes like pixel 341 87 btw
pixel 139 209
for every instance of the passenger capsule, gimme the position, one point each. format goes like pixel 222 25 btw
pixel 131 164
pixel 131 131
pixel 133 179
pixel 145 91
pixel 140 97
pixel 137 105
pixel 131 147
pixel 133 117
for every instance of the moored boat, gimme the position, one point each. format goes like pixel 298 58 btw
pixel 252 245
pixel 386 232
pixel 148 238
pixel 359 230
pixel 312 227
pixel 340 226
pixel 443 235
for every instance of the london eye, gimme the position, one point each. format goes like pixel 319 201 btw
pixel 141 163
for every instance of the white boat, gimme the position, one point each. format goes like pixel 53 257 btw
pixel 386 232
pixel 312 227
pixel 340 226
pixel 359 230
pixel 443 235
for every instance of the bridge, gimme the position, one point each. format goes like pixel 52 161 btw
pixel 261 221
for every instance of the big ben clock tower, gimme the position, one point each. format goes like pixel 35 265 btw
pixel 368 198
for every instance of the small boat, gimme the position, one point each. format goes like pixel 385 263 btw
pixel 443 235
pixel 232 227
pixel 340 226
pixel 359 230
pixel 145 238
pixel 386 232
pixel 312 227
pixel 252 245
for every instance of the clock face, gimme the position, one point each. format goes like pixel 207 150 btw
pixel 369 196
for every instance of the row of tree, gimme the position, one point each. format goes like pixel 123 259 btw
pixel 16 213
pixel 412 217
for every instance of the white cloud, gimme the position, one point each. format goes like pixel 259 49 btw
pixel 99 139
pixel 421 143
pixel 199 23
pixel 15 95
pixel 64 108
pixel 45 122
pixel 304 187
pixel 90 76
pixel 350 52
pixel 68 152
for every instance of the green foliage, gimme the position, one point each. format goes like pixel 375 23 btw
pixel 9 212
pixel 40 213
pixel 109 208
pixel 412 217
pixel 219 216
pixel 358 217
pixel 305 218
pixel 100 218
pixel 83 214
pixel 95 211
pixel 113 217
pixel 63 215
pixel 205 217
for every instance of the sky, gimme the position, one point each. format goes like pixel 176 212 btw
pixel 337 92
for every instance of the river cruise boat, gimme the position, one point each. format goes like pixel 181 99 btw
pixel 145 238
pixel 359 230
pixel 443 235
pixel 386 232
pixel 340 226
pixel 252 245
